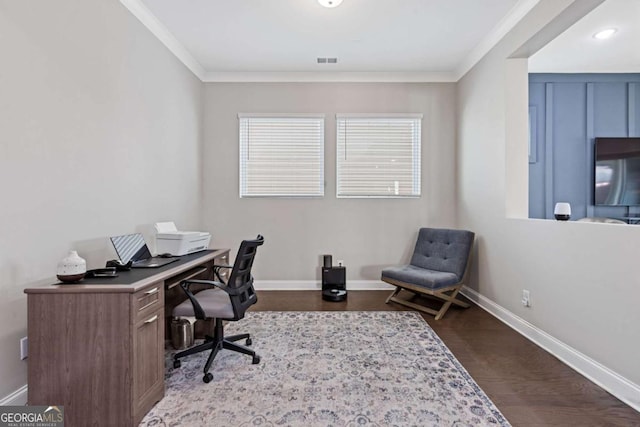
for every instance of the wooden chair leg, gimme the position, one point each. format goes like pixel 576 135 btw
pixel 446 299
pixel 443 310
pixel 452 298
pixel 449 300
pixel 393 294
pixel 458 302
pixel 414 306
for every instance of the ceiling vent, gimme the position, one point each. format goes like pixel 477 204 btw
pixel 327 60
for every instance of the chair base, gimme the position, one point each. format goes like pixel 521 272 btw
pixel 216 343
pixel 440 294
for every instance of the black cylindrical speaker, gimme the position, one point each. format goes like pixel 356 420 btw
pixel 328 261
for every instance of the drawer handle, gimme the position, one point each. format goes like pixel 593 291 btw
pixel 152 291
pixel 151 320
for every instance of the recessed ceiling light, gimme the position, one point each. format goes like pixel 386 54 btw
pixel 605 34
pixel 330 3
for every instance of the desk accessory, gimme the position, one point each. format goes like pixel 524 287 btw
pixel 181 333
pixel 119 265
pixel 132 247
pixel 172 241
pixel 72 268
pixel 102 272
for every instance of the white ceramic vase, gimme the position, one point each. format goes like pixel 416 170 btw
pixel 72 268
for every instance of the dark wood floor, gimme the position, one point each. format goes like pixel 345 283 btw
pixel 528 385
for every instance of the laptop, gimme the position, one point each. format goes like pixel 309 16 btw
pixel 132 247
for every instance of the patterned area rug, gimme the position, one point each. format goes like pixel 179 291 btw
pixel 327 369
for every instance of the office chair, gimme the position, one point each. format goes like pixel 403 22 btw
pixel 439 267
pixel 225 301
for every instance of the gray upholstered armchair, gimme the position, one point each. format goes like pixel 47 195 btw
pixel 439 267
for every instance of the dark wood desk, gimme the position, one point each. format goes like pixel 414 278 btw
pixel 97 348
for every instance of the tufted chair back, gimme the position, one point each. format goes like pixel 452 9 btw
pixel 443 250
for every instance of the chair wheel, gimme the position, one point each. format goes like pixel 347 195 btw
pixel 256 359
pixel 177 363
pixel 207 377
pixel 248 341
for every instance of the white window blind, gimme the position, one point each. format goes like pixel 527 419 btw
pixel 378 156
pixel 281 156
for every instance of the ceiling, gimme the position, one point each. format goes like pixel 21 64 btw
pixel 577 51
pixel 423 40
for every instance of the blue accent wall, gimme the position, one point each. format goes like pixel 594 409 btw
pixel 567 112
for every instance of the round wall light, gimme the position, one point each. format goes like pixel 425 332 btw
pixel 605 34
pixel 330 3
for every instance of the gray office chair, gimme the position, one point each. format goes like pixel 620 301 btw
pixel 225 301
pixel 439 267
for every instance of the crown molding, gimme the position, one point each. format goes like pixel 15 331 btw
pixel 329 76
pixel 507 23
pixel 149 20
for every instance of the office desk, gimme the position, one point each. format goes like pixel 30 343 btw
pixel 97 348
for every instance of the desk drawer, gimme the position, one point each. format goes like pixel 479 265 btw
pixel 224 272
pixel 148 300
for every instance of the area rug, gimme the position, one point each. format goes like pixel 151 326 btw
pixel 327 369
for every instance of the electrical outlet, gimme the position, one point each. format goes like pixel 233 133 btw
pixel 24 348
pixel 340 263
pixel 526 298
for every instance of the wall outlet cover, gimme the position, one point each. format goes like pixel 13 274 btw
pixel 526 298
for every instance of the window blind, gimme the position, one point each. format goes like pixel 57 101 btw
pixel 281 156
pixel 378 156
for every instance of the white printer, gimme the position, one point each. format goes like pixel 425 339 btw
pixel 170 240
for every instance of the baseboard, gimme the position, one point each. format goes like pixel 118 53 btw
pixel 17 398
pixel 625 390
pixel 617 385
pixel 315 285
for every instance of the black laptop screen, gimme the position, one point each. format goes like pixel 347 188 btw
pixel 131 247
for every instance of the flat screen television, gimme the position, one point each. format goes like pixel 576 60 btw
pixel 617 171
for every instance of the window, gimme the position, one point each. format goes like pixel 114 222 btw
pixel 281 155
pixel 378 156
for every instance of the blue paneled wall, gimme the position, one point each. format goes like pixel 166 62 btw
pixel 566 113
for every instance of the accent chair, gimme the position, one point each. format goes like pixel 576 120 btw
pixel 439 268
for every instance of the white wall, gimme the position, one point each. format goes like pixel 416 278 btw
pixel 366 234
pixel 94 111
pixel 95 114
pixel 584 278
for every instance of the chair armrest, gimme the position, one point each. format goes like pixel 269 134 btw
pixel 197 308
pixel 216 272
